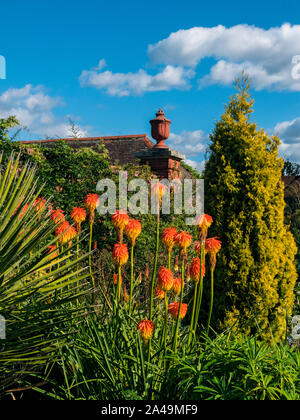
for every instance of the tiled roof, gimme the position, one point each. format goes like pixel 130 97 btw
pixel 122 149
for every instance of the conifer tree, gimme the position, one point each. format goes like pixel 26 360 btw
pixel 256 275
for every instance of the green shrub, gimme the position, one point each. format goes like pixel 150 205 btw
pixel 245 195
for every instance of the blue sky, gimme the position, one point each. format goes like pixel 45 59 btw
pixel 111 65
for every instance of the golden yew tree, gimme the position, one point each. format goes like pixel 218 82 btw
pixel 244 193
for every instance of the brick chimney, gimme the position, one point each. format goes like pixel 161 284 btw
pixel 164 162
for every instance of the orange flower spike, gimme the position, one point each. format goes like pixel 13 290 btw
pixel 91 204
pixel 177 286
pixel 39 204
pixel 65 232
pixel 204 222
pixel 146 329
pixel 120 254
pixel 168 238
pixel 120 219
pixel 57 216
pixel 159 189
pixel 78 215
pixel 183 241
pixel 165 279
pixel 195 269
pixel 174 308
pixel 212 247
pixel 159 293
pixel 133 230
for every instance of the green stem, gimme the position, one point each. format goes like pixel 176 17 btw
pixel 200 291
pixel 131 279
pixel 175 339
pixel 155 268
pixel 166 322
pixel 90 256
pixel 152 284
pixel 119 285
pixel 211 297
pixel 193 314
pixel 169 261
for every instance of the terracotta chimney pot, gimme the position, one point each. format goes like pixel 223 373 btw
pixel 160 129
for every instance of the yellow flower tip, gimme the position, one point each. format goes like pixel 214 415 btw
pixel 165 279
pixel 146 329
pixel 133 229
pixel 120 254
pixel 168 238
pixel 174 308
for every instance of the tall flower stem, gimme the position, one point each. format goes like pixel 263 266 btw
pixel 211 297
pixel 200 291
pixel 175 339
pixel 90 256
pixel 153 280
pixel 155 268
pixel 193 314
pixel 169 260
pixel 131 278
pixel 166 322
pixel 119 285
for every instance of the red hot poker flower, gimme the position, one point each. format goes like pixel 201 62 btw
pixel 91 204
pixel 177 286
pixel 133 229
pixel 146 329
pixel 183 240
pixel 168 238
pixel 120 254
pixel 165 279
pixel 212 247
pixel 204 222
pixel 65 232
pixel 174 308
pixel 195 269
pixel 78 215
pixel 57 216
pixel 39 204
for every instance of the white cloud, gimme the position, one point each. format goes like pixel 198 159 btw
pixel 265 54
pixel 199 166
pixel 289 133
pixel 190 143
pixel 34 109
pixel 125 84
